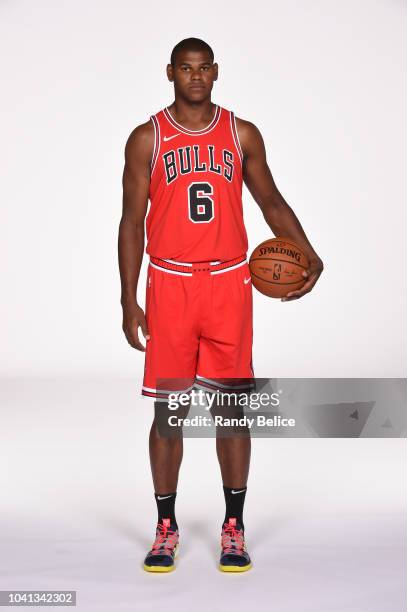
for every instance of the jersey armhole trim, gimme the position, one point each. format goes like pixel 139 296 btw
pixel 235 135
pixel 157 141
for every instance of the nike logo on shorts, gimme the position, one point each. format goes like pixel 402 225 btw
pixel 246 280
pixel 165 497
pixel 165 138
pixel 234 492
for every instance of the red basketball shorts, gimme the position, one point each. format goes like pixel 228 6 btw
pixel 200 320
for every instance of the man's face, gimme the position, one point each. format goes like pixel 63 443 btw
pixel 193 75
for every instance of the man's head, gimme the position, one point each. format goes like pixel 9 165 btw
pixel 192 69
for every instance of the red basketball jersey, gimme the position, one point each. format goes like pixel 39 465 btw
pixel 196 210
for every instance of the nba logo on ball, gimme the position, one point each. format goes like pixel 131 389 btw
pixel 276 267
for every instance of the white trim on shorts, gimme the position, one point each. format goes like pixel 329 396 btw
pixel 242 263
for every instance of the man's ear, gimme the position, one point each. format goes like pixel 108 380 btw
pixel 170 73
pixel 215 69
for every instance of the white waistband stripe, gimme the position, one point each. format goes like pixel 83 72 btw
pixel 180 263
pixel 170 271
pixel 242 263
pixel 180 273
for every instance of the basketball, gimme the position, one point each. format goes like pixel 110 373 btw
pixel 276 267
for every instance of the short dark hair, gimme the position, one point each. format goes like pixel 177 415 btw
pixel 191 44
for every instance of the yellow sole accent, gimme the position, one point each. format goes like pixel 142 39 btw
pixel 162 568
pixel 158 568
pixel 234 568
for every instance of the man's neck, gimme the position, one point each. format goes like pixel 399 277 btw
pixel 192 115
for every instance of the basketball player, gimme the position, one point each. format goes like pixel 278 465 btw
pixel 190 159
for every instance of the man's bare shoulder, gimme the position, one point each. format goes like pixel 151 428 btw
pixel 141 141
pixel 249 134
pixel 246 128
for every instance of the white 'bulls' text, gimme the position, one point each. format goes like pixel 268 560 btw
pixel 185 160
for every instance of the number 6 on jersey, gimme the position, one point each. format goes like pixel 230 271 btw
pixel 200 207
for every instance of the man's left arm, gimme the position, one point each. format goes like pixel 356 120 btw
pixel 278 214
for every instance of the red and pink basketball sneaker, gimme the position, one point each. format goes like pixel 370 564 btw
pixel 234 556
pixel 164 550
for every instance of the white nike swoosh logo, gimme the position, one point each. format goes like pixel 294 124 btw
pixel 165 138
pixel 246 280
pixel 165 497
pixel 234 492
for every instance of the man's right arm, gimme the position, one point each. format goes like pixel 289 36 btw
pixel 136 183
